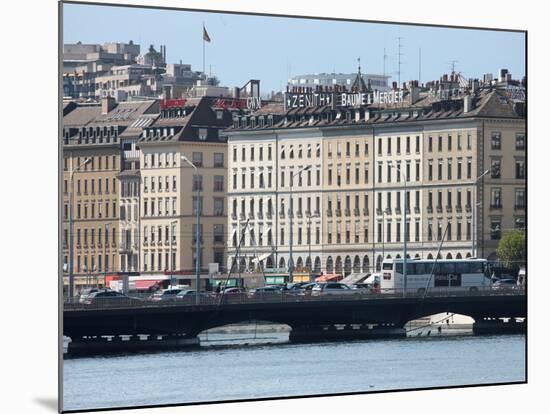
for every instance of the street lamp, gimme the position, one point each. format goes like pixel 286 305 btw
pixel 404 228
pixel 107 225
pixel 172 224
pixel 197 243
pixel 309 217
pixel 71 246
pixel 474 218
pixel 291 211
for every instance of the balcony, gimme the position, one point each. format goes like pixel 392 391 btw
pixel 269 215
pixel 378 211
pixel 234 216
pixel 347 212
pixel 329 213
pixel 260 215
pixel 468 208
pixel 398 210
pixel 356 212
pixel 416 210
pixel 251 215
pixel 282 214
pixel 242 216
pixel 387 211
pixel 430 209
pixel 365 211
pixel 449 209
pixel 439 209
pixel 495 206
pixel 299 214
pixel 338 213
pixel 458 208
pixel 519 206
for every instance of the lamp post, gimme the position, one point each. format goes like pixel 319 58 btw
pixel 404 229
pixel 198 233
pixel 474 214
pixel 71 244
pixel 291 214
pixel 107 225
pixel 309 217
pixel 172 224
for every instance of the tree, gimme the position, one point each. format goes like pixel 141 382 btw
pixel 512 248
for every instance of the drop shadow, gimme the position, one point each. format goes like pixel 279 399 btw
pixel 49 403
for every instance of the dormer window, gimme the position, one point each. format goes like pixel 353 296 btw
pixel 203 133
pixel 219 115
pixel 144 133
pixel 235 122
pixel 171 131
pixel 165 132
pixel 261 121
pixel 270 120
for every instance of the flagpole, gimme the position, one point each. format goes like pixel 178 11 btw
pixel 203 50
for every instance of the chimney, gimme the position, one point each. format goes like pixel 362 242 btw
pixel 107 104
pixel 415 94
pixel 467 103
pixel 367 115
pixel 394 85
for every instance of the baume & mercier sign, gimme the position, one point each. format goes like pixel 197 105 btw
pixel 341 99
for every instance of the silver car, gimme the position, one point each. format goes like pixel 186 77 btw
pixel 332 288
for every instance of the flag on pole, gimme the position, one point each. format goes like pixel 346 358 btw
pixel 205 36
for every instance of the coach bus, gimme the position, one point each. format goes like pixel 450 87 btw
pixel 467 274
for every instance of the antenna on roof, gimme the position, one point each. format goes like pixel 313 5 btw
pixel 453 63
pixel 399 54
pixel 419 65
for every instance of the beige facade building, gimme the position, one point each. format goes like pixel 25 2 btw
pixel 170 187
pixel 93 133
pixel 358 162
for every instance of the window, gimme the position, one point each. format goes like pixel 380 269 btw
pixel 399 145
pixel 449 169
pixel 430 144
pixel 218 233
pixel 218 160
pixel 495 168
pixel 218 183
pixel 440 170
pixel 408 145
pixel 496 198
pixel 417 171
pixel 469 168
pixel 197 159
pixel 197 182
pixel 520 169
pixel 203 133
pixel 519 223
pixel 379 146
pixel 218 206
pixel 234 154
pixel 520 142
pixel 389 145
pixel 379 234
pixel 495 228
pixel 439 143
pixel 495 140
pixel 449 143
pixel 251 153
pixel 417 144
pixel 430 170
pixel 520 199
pixel 459 230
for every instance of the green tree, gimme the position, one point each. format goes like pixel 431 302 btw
pixel 512 248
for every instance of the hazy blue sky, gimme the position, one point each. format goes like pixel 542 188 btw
pixel 271 48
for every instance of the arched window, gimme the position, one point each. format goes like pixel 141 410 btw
pixel 366 264
pixel 388 256
pixel 282 263
pixel 338 266
pixel 269 262
pixel 468 255
pixel 379 263
pixel 356 264
pixel 299 263
pixel 449 256
pixel 458 256
pixel 330 265
pixel 317 266
pixel 398 256
pixel 430 257
pixel 417 256
pixel 347 266
pixel 308 263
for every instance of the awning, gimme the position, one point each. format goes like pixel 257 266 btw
pixel 145 284
pixel 331 277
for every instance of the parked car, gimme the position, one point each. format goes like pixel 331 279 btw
pixel 167 294
pixel 306 288
pixel 505 284
pixel 332 288
pixel 266 291
pixel 108 297
pixel 362 287
pixel 85 293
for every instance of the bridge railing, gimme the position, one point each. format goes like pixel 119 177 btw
pixel 213 299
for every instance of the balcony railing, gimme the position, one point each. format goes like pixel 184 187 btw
pixel 449 209
pixel 329 213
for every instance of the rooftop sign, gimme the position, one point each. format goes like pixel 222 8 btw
pixel 341 99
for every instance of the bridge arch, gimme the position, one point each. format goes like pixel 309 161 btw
pixel 347 266
pixel 458 256
pixel 388 256
pixel 468 255
pixel 417 256
pixel 430 256
pixel 338 265
pixel 366 264
pixel 398 256
pixel 356 264
pixel 449 256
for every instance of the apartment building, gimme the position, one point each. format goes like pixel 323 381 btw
pixel 363 164
pixel 170 188
pixel 91 166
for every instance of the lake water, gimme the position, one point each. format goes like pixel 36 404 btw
pixel 217 373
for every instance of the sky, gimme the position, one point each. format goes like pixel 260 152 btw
pixel 274 48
